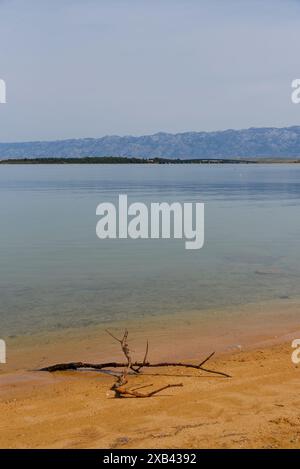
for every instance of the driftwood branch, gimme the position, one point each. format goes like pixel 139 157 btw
pixel 102 366
pixel 119 387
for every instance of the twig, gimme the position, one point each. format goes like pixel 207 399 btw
pixel 137 370
pixel 122 392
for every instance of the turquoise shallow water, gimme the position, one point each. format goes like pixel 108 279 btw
pixel 56 273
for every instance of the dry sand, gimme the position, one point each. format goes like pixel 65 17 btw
pixel 259 407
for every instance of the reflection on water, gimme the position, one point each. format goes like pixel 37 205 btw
pixel 55 272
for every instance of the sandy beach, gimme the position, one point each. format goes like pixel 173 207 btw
pixel 256 408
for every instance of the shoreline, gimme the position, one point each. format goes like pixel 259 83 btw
pixel 146 161
pixel 181 336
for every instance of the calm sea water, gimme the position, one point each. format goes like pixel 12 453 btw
pixel 55 272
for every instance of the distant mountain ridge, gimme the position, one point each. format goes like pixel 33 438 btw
pixel 264 142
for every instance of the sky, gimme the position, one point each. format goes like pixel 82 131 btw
pixel 89 68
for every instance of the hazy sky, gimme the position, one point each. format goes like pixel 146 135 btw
pixel 87 68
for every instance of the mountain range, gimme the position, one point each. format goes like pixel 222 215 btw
pixel 265 142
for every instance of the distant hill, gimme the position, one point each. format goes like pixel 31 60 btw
pixel 249 143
